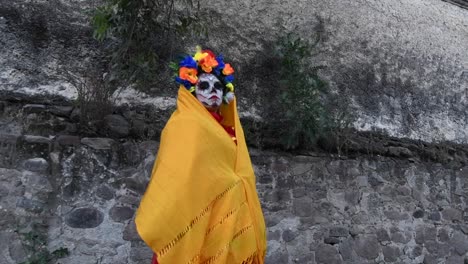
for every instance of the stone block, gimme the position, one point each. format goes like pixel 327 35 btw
pixel 289 235
pixel 362 181
pixel 65 140
pixel 399 237
pixel 357 230
pixel 274 235
pixel 75 115
pixel 352 197
pixel 418 213
pixel 403 191
pixel 129 153
pixel 460 243
pixel 3 106
pixel 434 216
pixel 265 178
pixel 121 213
pixel 105 192
pixel 391 253
pixel 271 220
pixel 302 207
pixel 339 231
pixel 84 218
pixel 367 247
pixel 129 199
pixel 116 126
pixel 141 253
pixel 34 108
pixel 17 250
pixel 396 216
pixel 299 192
pixel 437 249
pixel 35 147
pixel 424 234
pixel 98 143
pixel 62 111
pixel 417 251
pixel 430 259
pixel 331 240
pixel 306 257
pixel 455 260
pixel 443 235
pixel 8 150
pixel 399 152
pixel 130 232
pixel 382 235
pixel 30 205
pixel 94 247
pixel 278 256
pixel 55 166
pixel 139 128
pixel 36 165
pixel 451 214
pixel 347 251
pixel 326 254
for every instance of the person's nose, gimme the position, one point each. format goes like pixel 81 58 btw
pixel 213 89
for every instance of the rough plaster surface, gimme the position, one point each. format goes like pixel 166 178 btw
pixel 400 67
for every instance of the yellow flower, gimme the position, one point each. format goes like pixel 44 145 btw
pixel 230 86
pixel 199 55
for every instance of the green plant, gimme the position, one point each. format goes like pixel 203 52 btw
pixel 94 96
pixel 299 115
pixel 143 35
pixel 35 243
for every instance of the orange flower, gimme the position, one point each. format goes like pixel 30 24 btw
pixel 208 63
pixel 188 74
pixel 228 70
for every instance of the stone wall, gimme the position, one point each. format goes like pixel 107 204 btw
pixel 401 64
pixel 365 210
pixel 319 208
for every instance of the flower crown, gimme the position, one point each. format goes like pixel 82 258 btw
pixel 205 61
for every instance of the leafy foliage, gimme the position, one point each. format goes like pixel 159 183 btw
pixel 94 98
pixel 142 35
pixel 299 117
pixel 35 244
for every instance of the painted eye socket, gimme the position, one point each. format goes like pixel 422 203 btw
pixel 218 86
pixel 203 85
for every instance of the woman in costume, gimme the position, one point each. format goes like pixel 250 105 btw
pixel 201 205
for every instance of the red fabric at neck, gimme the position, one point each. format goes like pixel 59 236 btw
pixel 229 130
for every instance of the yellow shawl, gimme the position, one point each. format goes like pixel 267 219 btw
pixel 201 205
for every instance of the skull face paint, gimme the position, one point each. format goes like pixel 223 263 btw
pixel 209 91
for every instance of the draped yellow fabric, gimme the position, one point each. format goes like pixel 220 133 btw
pixel 201 205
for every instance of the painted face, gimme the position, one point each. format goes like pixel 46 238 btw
pixel 209 91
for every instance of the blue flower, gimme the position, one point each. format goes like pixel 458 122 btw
pixel 220 60
pixel 188 62
pixel 185 83
pixel 229 78
pixel 220 67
